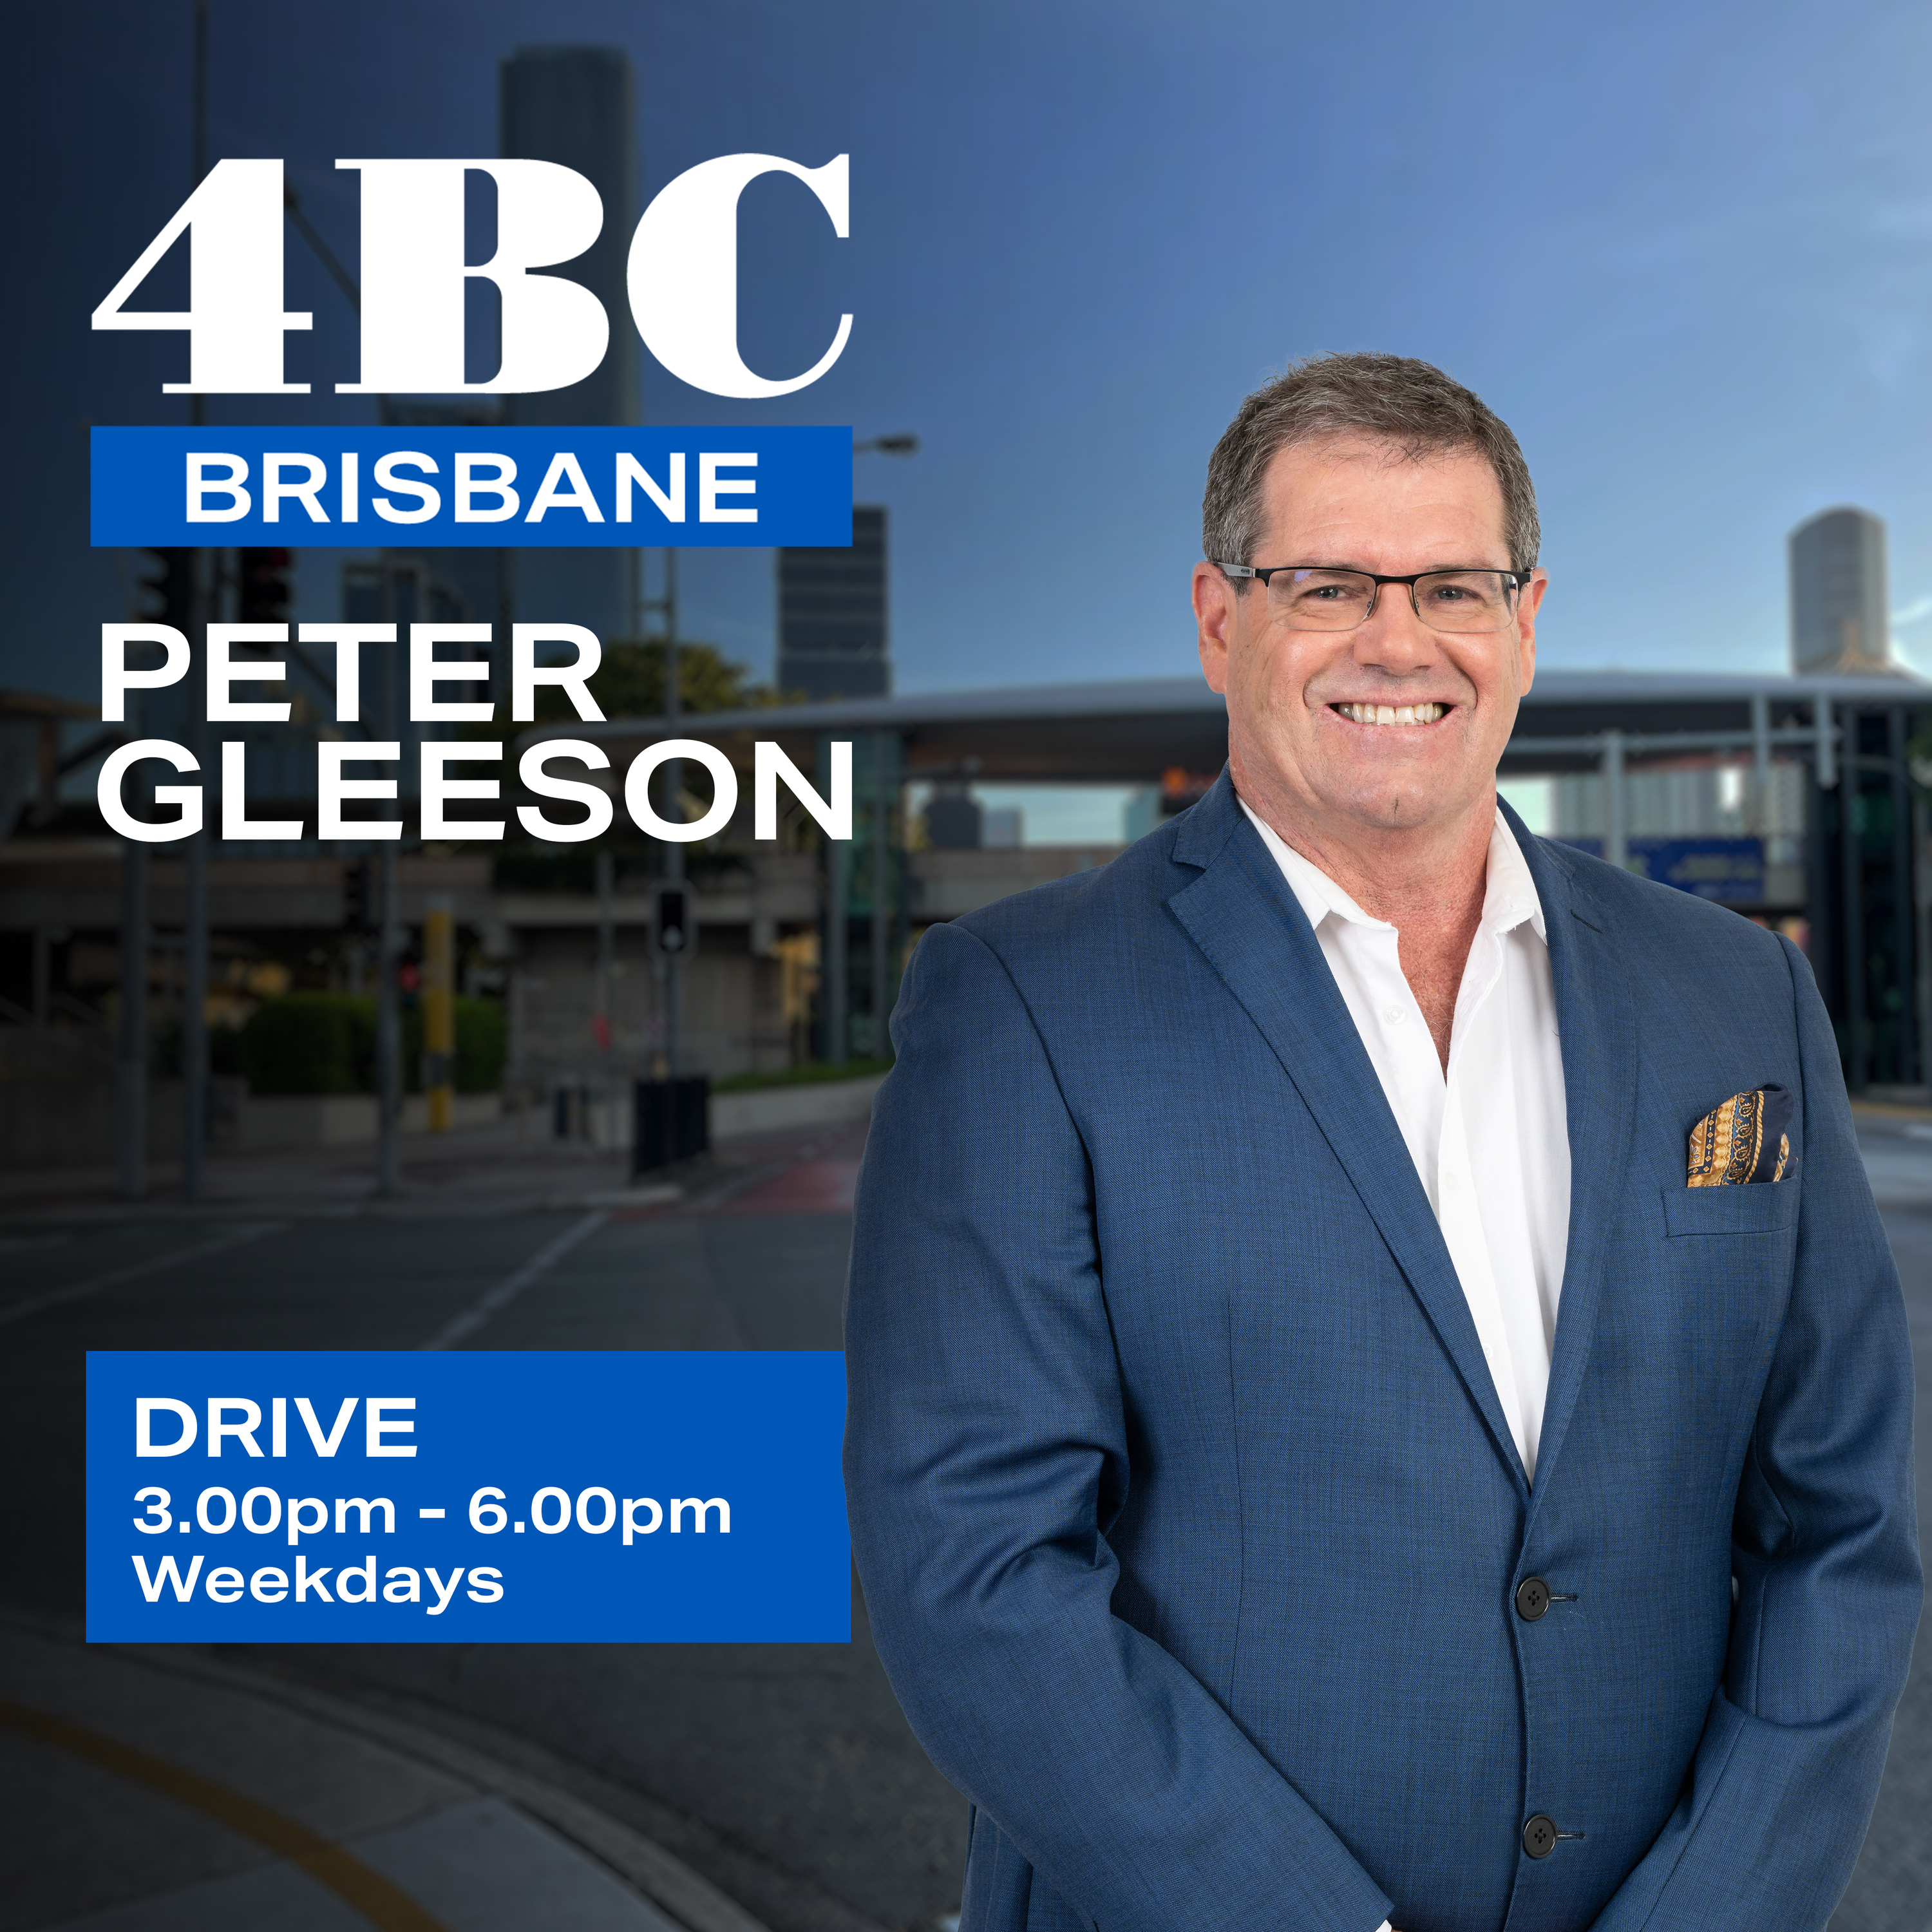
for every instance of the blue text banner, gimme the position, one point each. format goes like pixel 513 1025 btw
pixel 468 1497
pixel 482 486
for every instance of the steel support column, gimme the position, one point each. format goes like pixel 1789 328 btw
pixel 1762 801
pixel 834 970
pixel 1906 1070
pixel 1852 924
pixel 1616 828
pixel 880 924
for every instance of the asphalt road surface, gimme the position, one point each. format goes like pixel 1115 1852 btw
pixel 785 1774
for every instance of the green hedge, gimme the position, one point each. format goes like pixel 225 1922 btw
pixel 325 1043
pixel 482 1045
pixel 309 1043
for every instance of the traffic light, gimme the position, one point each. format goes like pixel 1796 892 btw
pixel 167 582
pixel 266 592
pixel 358 898
pixel 672 936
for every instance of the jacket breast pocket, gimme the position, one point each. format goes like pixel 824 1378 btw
pixel 1763 1207
pixel 1718 1283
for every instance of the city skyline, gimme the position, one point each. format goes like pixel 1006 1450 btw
pixel 1841 623
pixel 1701 308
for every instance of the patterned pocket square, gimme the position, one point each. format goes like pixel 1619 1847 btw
pixel 1747 1138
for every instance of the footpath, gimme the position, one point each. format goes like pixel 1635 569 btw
pixel 171 1790
pixel 511 1165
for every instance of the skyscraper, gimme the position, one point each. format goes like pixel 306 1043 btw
pixel 831 616
pixel 1840 621
pixel 577 106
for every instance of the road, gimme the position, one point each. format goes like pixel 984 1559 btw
pixel 1891 1889
pixel 785 1774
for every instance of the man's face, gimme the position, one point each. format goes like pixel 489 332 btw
pixel 1359 504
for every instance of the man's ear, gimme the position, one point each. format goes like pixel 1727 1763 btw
pixel 1214 600
pixel 1528 605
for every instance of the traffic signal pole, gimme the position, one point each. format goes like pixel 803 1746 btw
pixel 131 1118
pixel 194 1008
pixel 439 1012
pixel 388 1029
pixel 388 961
pixel 601 1029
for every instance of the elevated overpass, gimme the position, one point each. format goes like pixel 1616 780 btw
pixel 1822 769
pixel 1131 730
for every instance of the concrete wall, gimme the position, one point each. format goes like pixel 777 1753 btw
pixel 734 1017
pixel 734 1022
pixel 57 1099
pixel 546 944
pixel 288 1123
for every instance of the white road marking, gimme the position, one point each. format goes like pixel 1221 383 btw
pixel 506 1291
pixel 57 1297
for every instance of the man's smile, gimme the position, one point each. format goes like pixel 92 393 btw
pixel 1392 714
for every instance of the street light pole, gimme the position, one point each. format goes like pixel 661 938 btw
pixel 204 591
pixel 673 863
pixel 200 124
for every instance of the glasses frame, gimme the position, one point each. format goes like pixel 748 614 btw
pixel 1517 581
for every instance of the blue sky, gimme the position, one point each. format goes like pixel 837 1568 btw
pixel 1687 253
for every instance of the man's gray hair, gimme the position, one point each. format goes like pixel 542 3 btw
pixel 1393 398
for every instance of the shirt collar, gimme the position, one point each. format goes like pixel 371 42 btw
pixel 1509 898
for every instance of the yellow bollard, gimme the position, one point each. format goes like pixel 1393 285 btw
pixel 438 1013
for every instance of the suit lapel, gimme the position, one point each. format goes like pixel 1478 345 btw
pixel 1595 1014
pixel 1241 914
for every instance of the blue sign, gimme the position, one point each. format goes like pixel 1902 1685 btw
pixel 492 488
pixel 472 1498
pixel 1729 870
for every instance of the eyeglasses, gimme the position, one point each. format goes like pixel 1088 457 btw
pixel 1310 598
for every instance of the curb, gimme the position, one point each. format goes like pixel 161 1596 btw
pixel 662 1878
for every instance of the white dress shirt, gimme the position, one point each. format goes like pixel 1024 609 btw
pixel 1491 1142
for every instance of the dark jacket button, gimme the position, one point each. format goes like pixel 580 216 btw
pixel 1539 1837
pixel 1532 1598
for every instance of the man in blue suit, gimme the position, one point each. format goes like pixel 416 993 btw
pixel 1377 1391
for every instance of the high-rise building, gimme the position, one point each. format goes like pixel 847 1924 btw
pixel 577 106
pixel 831 616
pixel 1839 622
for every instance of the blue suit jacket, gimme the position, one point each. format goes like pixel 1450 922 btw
pixel 1187 1518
